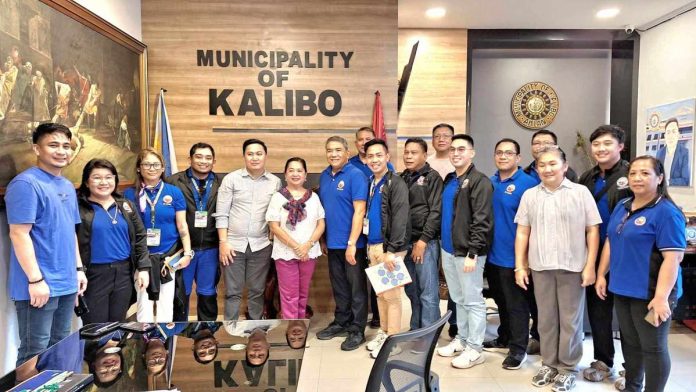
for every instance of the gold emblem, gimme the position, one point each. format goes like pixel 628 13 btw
pixel 535 105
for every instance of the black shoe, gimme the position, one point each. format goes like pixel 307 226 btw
pixel 374 323
pixel 453 330
pixel 353 341
pixel 332 331
pixel 514 362
pixel 495 345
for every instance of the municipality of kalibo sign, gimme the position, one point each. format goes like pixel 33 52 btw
pixel 274 66
pixel 534 105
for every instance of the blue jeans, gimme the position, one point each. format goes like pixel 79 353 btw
pixel 465 289
pixel 424 290
pixel 40 328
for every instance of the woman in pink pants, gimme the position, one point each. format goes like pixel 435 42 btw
pixel 296 219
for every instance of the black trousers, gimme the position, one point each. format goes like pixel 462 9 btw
pixel 600 313
pixel 642 344
pixel 349 284
pixel 533 311
pixel 108 292
pixel 513 308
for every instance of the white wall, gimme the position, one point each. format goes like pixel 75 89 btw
pixel 124 14
pixel 667 73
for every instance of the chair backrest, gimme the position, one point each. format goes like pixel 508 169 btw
pixel 404 360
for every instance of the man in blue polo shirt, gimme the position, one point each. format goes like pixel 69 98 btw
pixel 45 266
pixel 509 183
pixel 343 193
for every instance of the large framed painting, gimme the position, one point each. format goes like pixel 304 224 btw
pixel 61 63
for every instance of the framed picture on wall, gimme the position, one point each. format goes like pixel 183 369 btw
pixel 670 138
pixel 61 63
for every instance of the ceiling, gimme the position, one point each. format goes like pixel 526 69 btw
pixel 535 14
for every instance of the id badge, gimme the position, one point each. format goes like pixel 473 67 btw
pixel 153 237
pixel 200 219
pixel 366 226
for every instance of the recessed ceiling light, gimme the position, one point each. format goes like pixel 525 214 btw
pixel 607 13
pixel 437 12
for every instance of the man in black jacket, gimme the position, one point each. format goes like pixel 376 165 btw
pixel 388 230
pixel 466 232
pixel 425 199
pixel 608 183
pixel 200 184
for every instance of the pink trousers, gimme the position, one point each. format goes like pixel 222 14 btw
pixel 294 278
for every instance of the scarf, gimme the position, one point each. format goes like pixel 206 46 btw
pixel 296 208
pixel 143 198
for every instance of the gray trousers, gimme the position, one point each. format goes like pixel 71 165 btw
pixel 561 302
pixel 250 268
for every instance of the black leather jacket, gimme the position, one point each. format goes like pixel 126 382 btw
pixel 396 225
pixel 425 198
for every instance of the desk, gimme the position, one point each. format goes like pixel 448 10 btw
pixel 254 355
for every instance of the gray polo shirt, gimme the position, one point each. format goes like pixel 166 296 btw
pixel 241 208
pixel 558 220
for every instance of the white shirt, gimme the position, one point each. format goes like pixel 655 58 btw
pixel 442 166
pixel 303 230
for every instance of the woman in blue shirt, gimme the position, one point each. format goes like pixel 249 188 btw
pixel 645 244
pixel 112 245
pixel 162 208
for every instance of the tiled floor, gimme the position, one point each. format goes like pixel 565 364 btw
pixel 326 368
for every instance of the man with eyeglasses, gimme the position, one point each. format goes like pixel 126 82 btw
pixel 541 139
pixel 509 183
pixel 466 230
pixel 200 184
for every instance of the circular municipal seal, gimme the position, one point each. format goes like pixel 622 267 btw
pixel 654 121
pixel 534 105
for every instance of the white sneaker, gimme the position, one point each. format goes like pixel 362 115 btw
pixel 395 351
pixel 377 341
pixel 468 358
pixel 450 350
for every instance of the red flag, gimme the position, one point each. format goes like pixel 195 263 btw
pixel 378 118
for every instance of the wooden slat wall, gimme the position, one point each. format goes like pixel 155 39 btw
pixel 437 89
pixel 174 29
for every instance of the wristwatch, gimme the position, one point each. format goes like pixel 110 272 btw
pixel 471 255
pixel 350 243
pixel 190 253
pixel 81 268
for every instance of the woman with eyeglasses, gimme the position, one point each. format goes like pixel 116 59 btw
pixel 112 245
pixel 644 247
pixel 162 208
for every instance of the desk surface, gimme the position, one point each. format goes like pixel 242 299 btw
pixel 254 355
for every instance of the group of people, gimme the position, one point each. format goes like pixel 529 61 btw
pixel 547 245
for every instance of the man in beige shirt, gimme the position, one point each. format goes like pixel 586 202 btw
pixel 442 139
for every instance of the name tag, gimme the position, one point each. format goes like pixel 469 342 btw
pixel 200 219
pixel 153 237
pixel 366 226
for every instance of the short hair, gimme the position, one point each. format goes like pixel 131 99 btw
pixel 365 129
pixel 249 142
pixel 614 131
pixel 444 125
pixel 464 137
pixel 554 149
pixel 96 163
pixel 47 129
pixel 508 140
pixel 295 159
pixel 337 139
pixel 375 142
pixel 546 132
pixel 672 120
pixel 418 141
pixel 201 145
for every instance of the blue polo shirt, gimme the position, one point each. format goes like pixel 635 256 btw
pixel 355 161
pixel 337 193
pixel 507 194
pixel 533 173
pixel 448 195
pixel 374 212
pixel 603 207
pixel 170 201
pixel 636 241
pixel 109 242
pixel 49 204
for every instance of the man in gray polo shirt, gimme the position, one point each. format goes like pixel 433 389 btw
pixel 245 249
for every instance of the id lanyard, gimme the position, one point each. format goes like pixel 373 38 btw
pixel 153 204
pixel 201 203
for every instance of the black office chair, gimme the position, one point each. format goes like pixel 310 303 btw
pixel 403 363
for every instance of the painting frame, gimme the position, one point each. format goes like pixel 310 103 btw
pixel 93 29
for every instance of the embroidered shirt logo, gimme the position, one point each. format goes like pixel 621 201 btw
pixel 510 188
pixel 465 183
pixel 640 221
pixel 341 185
pixel 380 188
pixel 421 181
pixel 622 183
pixel 126 207
pixel 167 200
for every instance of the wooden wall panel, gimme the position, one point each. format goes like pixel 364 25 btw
pixel 175 29
pixel 437 89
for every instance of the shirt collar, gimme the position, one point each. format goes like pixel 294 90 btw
pixel 627 203
pixel 245 173
pixel 566 183
pixel 511 178
pixel 596 170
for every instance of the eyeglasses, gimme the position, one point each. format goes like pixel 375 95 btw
pixel 156 361
pixel 110 369
pixel 98 180
pixel 507 153
pixel 209 351
pixel 148 165
pixel 458 150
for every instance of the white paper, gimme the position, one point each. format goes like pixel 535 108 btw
pixel 383 280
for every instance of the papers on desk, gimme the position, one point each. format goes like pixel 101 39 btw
pixel 383 280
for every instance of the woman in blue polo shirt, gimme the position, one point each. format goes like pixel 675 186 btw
pixel 163 209
pixel 112 244
pixel 645 244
